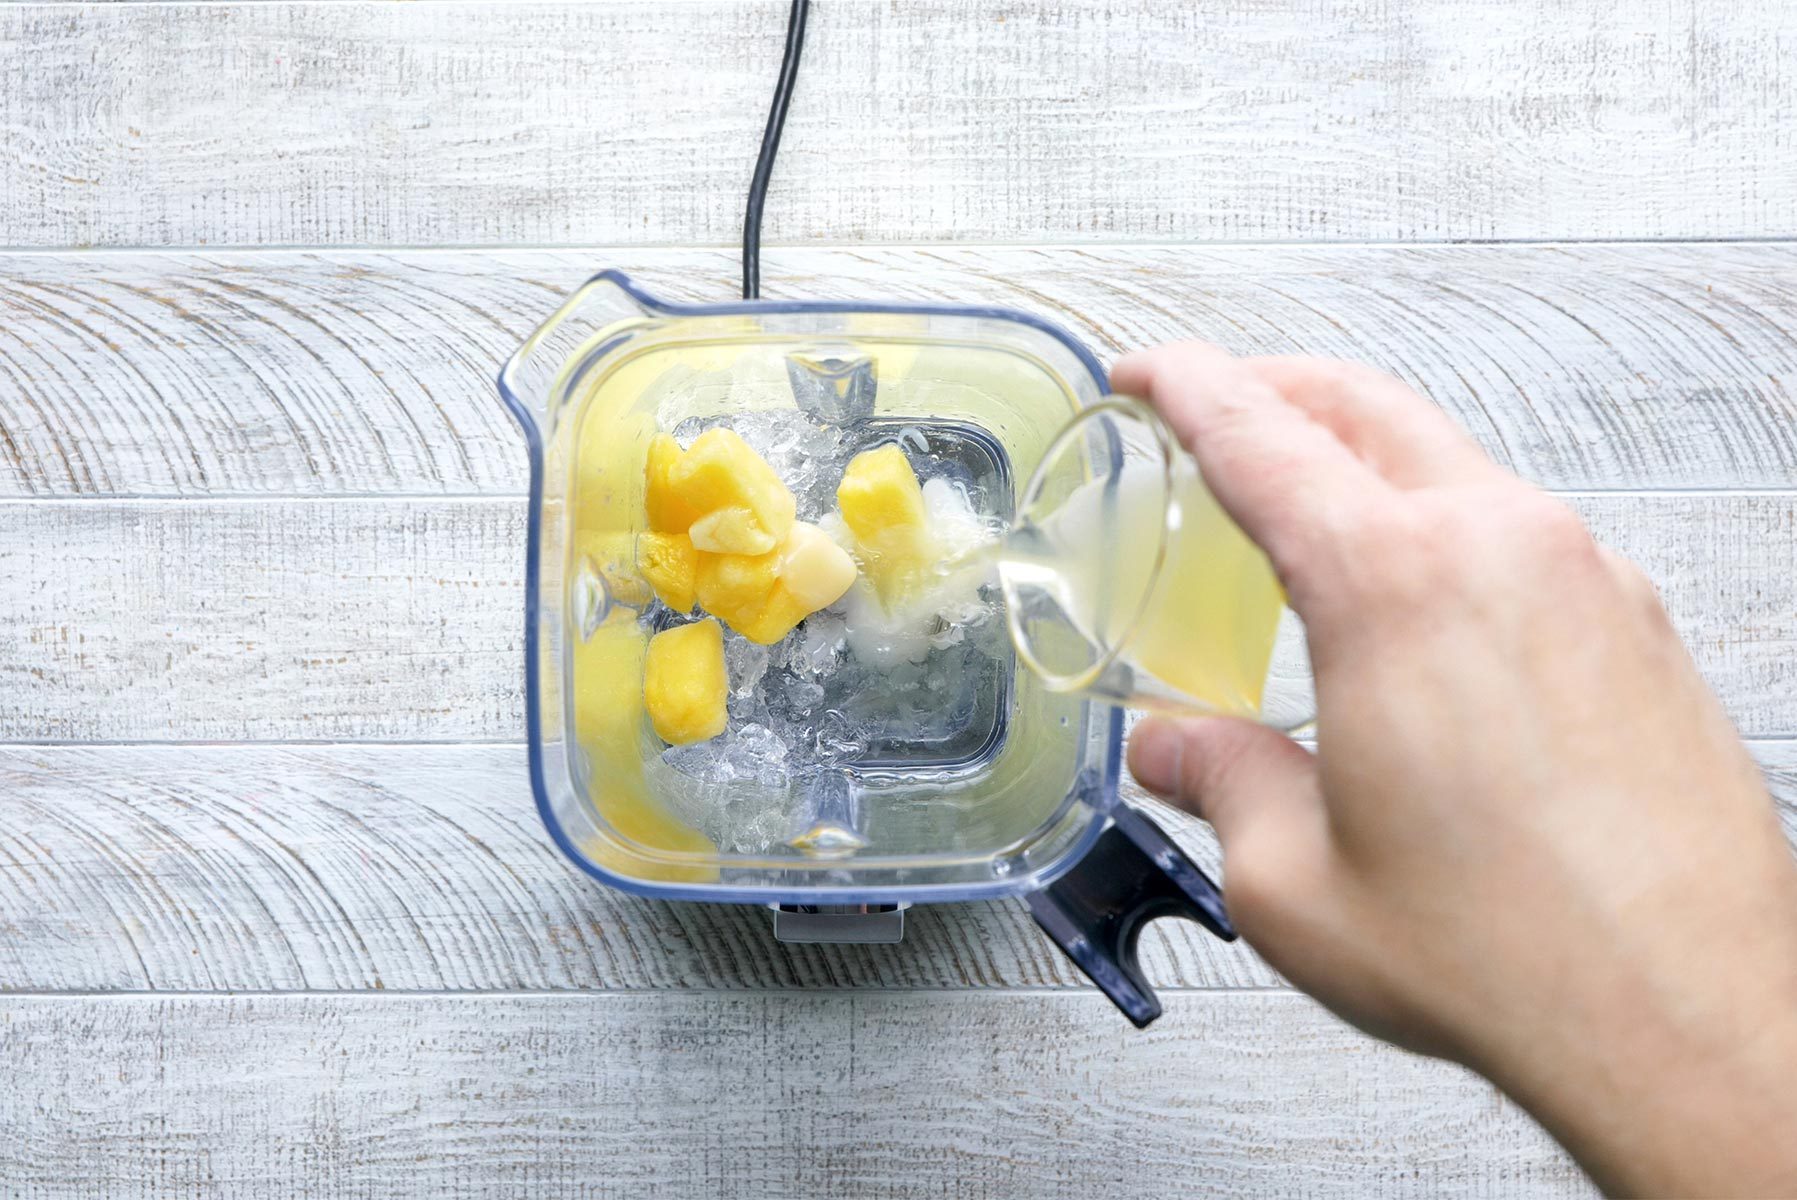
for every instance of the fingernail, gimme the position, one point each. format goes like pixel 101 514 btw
pixel 1155 750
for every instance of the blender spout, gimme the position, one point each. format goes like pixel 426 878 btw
pixel 534 379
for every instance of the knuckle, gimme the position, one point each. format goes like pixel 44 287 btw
pixel 1637 587
pixel 1511 527
pixel 1557 534
pixel 1632 579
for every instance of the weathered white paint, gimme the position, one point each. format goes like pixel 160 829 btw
pixel 424 868
pixel 210 375
pixel 401 619
pixel 280 372
pixel 417 867
pixel 936 120
pixel 868 1094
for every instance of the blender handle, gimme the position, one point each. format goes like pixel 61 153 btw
pixel 1095 912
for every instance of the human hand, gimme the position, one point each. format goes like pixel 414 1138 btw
pixel 1529 839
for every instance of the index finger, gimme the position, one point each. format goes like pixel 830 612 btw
pixel 1284 478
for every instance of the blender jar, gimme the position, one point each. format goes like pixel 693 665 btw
pixel 1011 789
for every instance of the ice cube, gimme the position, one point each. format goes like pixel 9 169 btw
pixel 792 698
pixel 840 738
pixel 745 663
pixel 806 695
pixel 812 652
pixel 953 522
pixel 733 789
pixel 757 753
pixel 701 761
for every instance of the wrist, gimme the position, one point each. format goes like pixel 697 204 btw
pixel 1681 1084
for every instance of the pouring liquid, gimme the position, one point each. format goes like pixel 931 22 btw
pixel 1187 620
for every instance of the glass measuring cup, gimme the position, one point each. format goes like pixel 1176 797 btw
pixel 1125 581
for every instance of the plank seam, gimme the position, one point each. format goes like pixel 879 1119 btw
pixel 361 248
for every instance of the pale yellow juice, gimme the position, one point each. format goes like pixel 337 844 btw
pixel 1198 632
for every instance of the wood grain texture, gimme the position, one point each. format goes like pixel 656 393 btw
pixel 425 868
pixel 324 373
pixel 866 1094
pixel 401 620
pixel 419 868
pixel 943 120
pixel 360 620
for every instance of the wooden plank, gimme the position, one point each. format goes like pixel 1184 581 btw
pixel 401 620
pixel 942 120
pixel 424 868
pixel 866 1094
pixel 416 868
pixel 1579 366
pixel 362 620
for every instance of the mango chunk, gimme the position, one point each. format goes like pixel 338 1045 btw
pixel 879 494
pixel 734 587
pixel 669 510
pixel 732 531
pixel 720 473
pixel 671 566
pixel 882 504
pixel 684 685
pixel 814 570
pixel 762 596
pixel 779 614
pixel 723 536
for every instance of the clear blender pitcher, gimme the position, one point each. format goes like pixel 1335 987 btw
pixel 1011 791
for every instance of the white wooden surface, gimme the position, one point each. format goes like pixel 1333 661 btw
pixel 447 122
pixel 324 868
pixel 276 914
pixel 1582 366
pixel 866 1093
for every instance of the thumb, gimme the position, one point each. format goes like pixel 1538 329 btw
pixel 1233 773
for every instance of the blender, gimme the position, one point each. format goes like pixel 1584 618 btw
pixel 994 786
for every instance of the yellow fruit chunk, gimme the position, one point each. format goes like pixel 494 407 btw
pixel 882 504
pixel 814 570
pixel 684 686
pixel 780 611
pixel 734 587
pixel 762 596
pixel 732 531
pixel 608 722
pixel 719 473
pixel 879 494
pixel 671 565
pixel 669 510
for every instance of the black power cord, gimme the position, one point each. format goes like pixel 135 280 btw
pixel 770 146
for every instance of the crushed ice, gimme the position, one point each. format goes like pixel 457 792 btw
pixel 848 678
